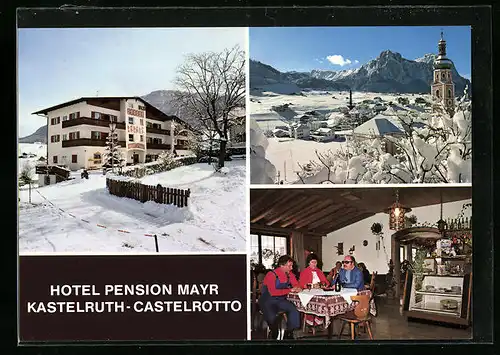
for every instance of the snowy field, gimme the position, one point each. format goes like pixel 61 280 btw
pixel 71 216
pixel 286 154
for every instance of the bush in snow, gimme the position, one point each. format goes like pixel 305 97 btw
pixel 139 171
pixel 262 170
pixel 26 175
pixel 434 148
pixel 168 161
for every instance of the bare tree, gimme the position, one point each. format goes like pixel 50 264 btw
pixel 211 86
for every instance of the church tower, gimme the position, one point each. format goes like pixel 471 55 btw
pixel 443 88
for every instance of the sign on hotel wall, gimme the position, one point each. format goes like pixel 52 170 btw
pixel 137 128
pixel 136 146
pixel 136 113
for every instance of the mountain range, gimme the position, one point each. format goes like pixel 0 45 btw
pixel 389 72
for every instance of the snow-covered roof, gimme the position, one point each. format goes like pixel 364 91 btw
pixel 344 132
pixel 279 130
pixel 377 126
pixel 323 130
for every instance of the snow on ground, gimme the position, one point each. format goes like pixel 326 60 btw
pixel 65 216
pixel 284 154
pixel 39 150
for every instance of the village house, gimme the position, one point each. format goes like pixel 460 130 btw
pixel 78 129
pixel 379 127
pixel 300 131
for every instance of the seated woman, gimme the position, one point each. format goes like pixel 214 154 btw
pixel 277 284
pixel 313 276
pixel 350 276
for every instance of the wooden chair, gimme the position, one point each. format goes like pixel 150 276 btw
pixel 359 316
pixel 372 283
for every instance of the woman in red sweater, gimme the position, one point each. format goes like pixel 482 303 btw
pixel 314 277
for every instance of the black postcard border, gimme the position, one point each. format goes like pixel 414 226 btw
pixel 479 17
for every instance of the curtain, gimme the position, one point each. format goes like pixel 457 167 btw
pixel 298 249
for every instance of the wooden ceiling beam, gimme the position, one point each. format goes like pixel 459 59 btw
pixel 257 197
pixel 296 207
pixel 308 212
pixel 326 212
pixel 346 213
pixel 343 224
pixel 299 210
pixel 276 204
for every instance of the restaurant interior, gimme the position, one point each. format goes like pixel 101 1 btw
pixel 415 244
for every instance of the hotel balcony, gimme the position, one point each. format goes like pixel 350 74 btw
pixel 87 142
pixel 159 146
pixel 91 122
pixel 181 147
pixel 158 130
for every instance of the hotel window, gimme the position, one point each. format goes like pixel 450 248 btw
pixel 74 158
pixel 65 137
pixel 55 138
pixel 130 137
pixel 74 115
pixel 141 122
pixel 54 159
pixel 65 118
pixel 113 118
pixel 130 120
pixel 149 140
pixel 95 115
pixel 130 105
pixel 98 135
pixel 449 92
pixel 265 249
pixel 149 124
pixel 168 132
pixel 58 120
pixel 74 135
pixel 142 138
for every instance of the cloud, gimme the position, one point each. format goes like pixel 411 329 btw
pixel 319 60
pixel 337 59
pixel 356 61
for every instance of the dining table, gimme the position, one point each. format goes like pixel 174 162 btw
pixel 325 303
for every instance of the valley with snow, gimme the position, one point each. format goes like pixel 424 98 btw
pixel 317 131
pixel 81 216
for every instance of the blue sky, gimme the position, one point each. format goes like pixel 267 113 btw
pixel 338 48
pixel 59 65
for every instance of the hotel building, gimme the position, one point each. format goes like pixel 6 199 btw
pixel 77 131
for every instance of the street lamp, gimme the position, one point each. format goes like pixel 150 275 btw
pixel 112 127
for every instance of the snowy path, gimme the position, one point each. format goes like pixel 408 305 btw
pixel 209 224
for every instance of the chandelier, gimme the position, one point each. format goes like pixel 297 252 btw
pixel 397 214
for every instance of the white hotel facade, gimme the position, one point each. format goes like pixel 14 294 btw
pixel 77 131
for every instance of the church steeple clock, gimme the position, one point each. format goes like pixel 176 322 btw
pixel 443 88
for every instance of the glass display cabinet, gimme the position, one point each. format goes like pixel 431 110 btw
pixel 441 298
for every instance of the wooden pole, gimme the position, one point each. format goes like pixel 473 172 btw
pixel 156 243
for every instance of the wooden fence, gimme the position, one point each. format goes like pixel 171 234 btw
pixel 143 193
